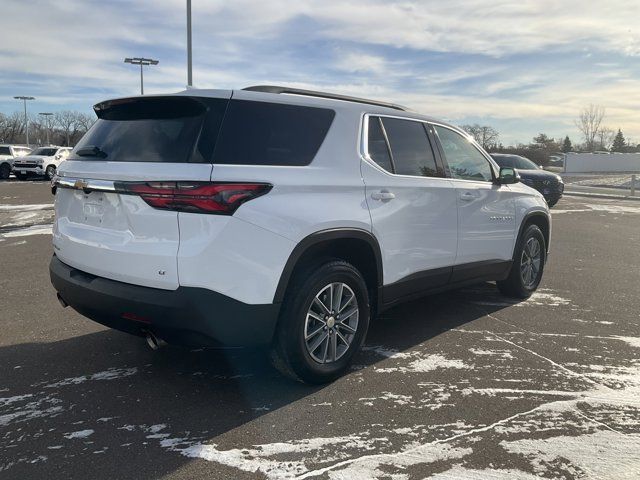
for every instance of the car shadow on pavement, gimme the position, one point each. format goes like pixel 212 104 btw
pixel 130 397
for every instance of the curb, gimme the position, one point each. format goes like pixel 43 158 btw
pixel 601 195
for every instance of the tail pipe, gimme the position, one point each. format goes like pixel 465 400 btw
pixel 154 342
pixel 61 300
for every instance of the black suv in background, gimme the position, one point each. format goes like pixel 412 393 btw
pixel 548 184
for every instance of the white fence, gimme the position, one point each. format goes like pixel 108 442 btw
pixel 601 162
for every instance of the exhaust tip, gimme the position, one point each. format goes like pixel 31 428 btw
pixel 154 342
pixel 61 300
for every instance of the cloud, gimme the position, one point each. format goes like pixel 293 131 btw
pixel 515 64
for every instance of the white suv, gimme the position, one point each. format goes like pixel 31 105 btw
pixel 43 162
pixel 8 154
pixel 281 217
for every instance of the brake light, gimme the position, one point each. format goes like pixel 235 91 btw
pixel 195 197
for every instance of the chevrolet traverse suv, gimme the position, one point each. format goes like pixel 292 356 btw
pixel 281 217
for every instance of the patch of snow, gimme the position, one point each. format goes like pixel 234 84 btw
pixel 156 428
pixel 458 472
pixel 396 398
pixel 111 374
pixel 604 207
pixel 545 297
pixel 79 434
pixel 387 352
pixel 499 353
pixel 15 244
pixel 7 400
pixel 25 232
pixel 633 341
pixel 260 458
pixel 26 208
pixel 427 364
pixel 592 453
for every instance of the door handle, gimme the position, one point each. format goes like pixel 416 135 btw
pixel 467 196
pixel 383 195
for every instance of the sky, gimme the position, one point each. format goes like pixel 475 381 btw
pixel 523 67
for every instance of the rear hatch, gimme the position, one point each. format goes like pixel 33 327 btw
pixel 115 196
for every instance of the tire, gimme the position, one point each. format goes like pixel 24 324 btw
pixel 291 353
pixel 5 171
pixel 21 176
pixel 552 203
pixel 50 172
pixel 522 280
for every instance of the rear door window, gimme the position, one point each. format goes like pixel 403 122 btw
pixel 410 148
pixel 377 145
pixel 261 133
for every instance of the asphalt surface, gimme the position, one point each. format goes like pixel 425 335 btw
pixel 465 384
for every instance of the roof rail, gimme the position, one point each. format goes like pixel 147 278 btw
pixel 312 93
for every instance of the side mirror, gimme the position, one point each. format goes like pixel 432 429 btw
pixel 508 175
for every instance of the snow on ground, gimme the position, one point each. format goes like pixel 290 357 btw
pixel 79 434
pixel 26 208
pixel 28 231
pixel 601 207
pixel 612 181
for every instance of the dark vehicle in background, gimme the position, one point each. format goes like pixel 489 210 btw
pixel 548 184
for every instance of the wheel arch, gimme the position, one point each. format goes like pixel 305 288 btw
pixel 354 245
pixel 542 221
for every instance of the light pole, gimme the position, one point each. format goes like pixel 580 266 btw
pixel 142 62
pixel 47 116
pixel 189 71
pixel 26 121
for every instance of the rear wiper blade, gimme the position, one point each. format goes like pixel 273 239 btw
pixel 91 151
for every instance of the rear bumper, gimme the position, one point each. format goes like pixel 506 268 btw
pixel 187 316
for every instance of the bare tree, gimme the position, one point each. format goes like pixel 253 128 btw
pixel 589 123
pixel 12 128
pixel 66 120
pixel 485 135
pixel 605 138
pixel 85 122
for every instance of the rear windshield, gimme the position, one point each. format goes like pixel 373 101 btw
pixel 186 129
pixel 165 129
pixel 260 133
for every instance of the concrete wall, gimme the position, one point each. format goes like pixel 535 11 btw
pixel 601 162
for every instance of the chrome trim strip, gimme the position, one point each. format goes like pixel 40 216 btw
pixel 84 185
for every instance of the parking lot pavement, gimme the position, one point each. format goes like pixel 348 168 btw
pixel 465 384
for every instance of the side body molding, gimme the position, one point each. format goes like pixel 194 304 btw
pixel 318 238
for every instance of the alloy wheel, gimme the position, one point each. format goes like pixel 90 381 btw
pixel 331 322
pixel 530 262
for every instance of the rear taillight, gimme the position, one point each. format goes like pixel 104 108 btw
pixel 195 197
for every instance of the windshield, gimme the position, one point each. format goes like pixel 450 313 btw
pixel 20 152
pixel 525 164
pixel 44 151
pixel 515 161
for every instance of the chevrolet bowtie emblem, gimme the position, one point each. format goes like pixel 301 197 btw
pixel 80 185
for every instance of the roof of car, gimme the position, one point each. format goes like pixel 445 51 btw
pixel 280 94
